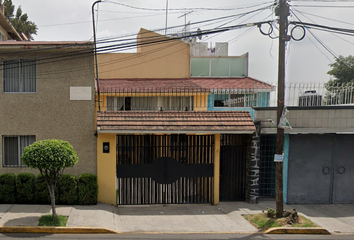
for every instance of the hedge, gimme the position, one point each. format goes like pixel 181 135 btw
pixel 68 189
pixel 25 187
pixel 88 189
pixel 8 188
pixel 42 193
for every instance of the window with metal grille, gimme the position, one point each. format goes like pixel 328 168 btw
pixel 19 76
pixel 150 103
pixel 267 166
pixel 13 147
pixel 235 100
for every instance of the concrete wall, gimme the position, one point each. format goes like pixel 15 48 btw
pixel 165 59
pixel 325 119
pixel 49 113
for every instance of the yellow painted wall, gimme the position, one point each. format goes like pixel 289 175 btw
pixel 168 59
pixel 217 170
pixel 200 99
pixel 106 169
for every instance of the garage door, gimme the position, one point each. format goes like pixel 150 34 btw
pixel 321 169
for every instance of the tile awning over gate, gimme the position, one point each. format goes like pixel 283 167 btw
pixel 175 122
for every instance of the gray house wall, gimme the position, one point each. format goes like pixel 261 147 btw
pixel 49 112
pixel 325 119
pixel 318 164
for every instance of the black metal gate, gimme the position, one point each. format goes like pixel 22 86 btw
pixel 233 157
pixel 165 169
pixel 267 167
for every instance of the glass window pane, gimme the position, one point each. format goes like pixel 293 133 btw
pixel 199 67
pixel 220 67
pixel 28 76
pixel 19 76
pixel 10 151
pixel 11 76
pixel 26 141
pixel 238 67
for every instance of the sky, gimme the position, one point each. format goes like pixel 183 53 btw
pixel 306 60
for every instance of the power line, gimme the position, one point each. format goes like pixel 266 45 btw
pixel 179 9
pixel 245 32
pixel 103 20
pixel 200 22
pixel 323 1
pixel 320 42
pixel 234 20
pixel 332 19
pixel 336 35
pixel 114 39
pixel 317 26
pixel 323 6
pixel 82 53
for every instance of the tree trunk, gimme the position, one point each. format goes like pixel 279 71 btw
pixel 52 200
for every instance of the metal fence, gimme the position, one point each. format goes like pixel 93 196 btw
pixel 316 94
pixel 196 99
pixel 267 167
pixel 179 99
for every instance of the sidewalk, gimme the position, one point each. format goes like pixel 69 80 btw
pixel 225 217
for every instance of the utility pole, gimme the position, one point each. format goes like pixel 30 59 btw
pixel 283 13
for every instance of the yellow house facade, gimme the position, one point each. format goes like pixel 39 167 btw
pixel 156 141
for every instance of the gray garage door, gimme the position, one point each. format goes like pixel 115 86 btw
pixel 321 169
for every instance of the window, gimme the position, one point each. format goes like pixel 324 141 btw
pixel 13 149
pixel 150 103
pixel 2 37
pixel 19 76
pixel 235 100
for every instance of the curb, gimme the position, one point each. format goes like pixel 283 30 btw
pixel 184 233
pixel 299 230
pixel 53 230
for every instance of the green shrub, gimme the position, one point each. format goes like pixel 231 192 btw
pixel 25 187
pixel 68 189
pixel 88 189
pixel 7 188
pixel 42 193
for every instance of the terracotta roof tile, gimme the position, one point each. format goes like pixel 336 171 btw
pixel 175 121
pixel 164 85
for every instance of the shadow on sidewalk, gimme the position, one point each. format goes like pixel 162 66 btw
pixel 172 209
pixel 22 221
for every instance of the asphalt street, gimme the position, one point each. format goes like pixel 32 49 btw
pixel 14 236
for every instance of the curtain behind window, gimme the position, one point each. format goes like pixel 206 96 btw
pixel 10 151
pixel 11 76
pixel 28 76
pixel 14 148
pixel 19 76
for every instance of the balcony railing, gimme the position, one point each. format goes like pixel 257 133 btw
pixel 179 99
pixel 316 94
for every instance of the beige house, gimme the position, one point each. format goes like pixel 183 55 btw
pixel 7 31
pixel 46 91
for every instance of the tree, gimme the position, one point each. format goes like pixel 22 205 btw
pixel 50 157
pixel 342 69
pixel 19 21
pixel 340 86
